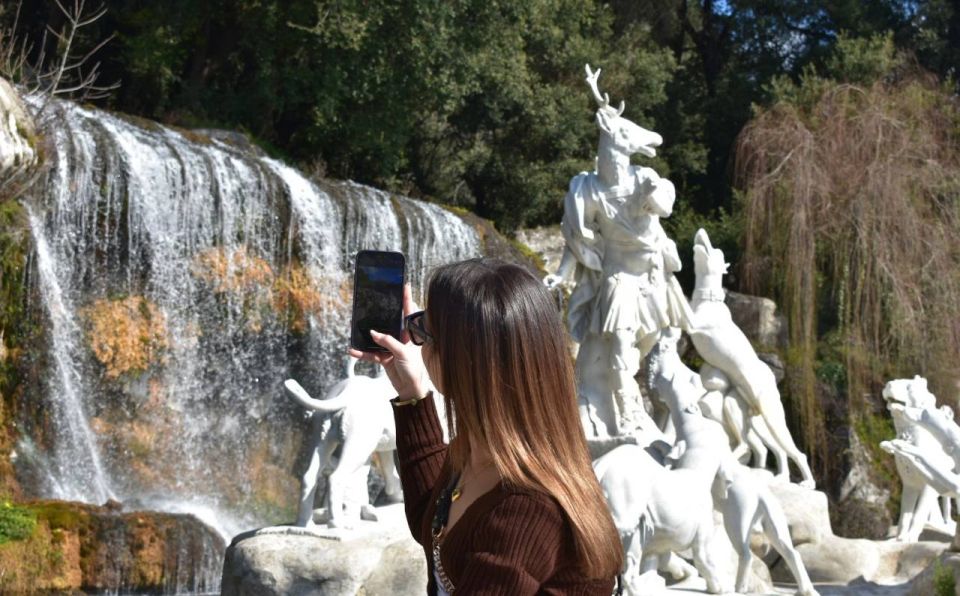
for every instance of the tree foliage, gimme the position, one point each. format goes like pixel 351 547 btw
pixel 475 103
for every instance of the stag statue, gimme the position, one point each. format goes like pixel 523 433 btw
pixel 622 263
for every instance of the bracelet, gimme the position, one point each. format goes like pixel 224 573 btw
pixel 397 402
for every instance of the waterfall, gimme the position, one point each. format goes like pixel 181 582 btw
pixel 182 279
pixel 78 473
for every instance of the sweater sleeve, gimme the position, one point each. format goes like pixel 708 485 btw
pixel 421 452
pixel 516 549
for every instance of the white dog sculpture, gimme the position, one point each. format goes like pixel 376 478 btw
pixel 356 414
pixel 925 437
pixel 748 432
pixel 661 511
pixel 746 501
pixel 722 344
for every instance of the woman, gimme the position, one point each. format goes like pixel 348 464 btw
pixel 511 506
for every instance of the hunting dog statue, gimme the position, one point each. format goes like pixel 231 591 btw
pixel 749 435
pixel 747 503
pixel 355 415
pixel 927 455
pixel 723 345
pixel 660 511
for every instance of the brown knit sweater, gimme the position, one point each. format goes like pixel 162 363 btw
pixel 508 542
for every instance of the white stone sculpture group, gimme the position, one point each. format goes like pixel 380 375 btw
pixel 927 454
pixel 627 304
pixel 664 505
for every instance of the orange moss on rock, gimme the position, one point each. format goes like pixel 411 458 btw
pixel 232 270
pixel 145 442
pixel 127 335
pixel 272 488
pixel 297 296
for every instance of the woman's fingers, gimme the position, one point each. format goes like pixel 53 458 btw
pixel 387 341
pixel 376 357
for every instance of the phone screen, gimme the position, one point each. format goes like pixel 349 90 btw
pixel 377 298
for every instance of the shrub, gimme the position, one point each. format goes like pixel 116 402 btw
pixel 16 523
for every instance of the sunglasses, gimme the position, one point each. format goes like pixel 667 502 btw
pixel 415 325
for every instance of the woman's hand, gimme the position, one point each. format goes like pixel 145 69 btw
pixel 403 362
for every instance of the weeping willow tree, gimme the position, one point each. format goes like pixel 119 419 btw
pixel 851 198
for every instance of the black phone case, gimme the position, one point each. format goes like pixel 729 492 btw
pixel 353 315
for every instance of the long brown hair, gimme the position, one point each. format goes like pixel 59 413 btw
pixel 509 385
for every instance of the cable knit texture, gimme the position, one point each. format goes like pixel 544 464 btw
pixel 508 542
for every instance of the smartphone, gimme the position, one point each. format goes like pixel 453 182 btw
pixel 377 297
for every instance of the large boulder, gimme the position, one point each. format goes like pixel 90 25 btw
pixel 861 509
pixel 18 140
pixel 545 242
pixel 758 318
pixel 836 560
pixel 806 510
pixel 373 558
pixel 941 577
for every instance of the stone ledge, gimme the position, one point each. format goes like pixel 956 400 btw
pixel 372 558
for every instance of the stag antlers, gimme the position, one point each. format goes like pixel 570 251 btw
pixel 602 100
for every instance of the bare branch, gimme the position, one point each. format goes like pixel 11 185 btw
pixel 57 70
pixel 59 36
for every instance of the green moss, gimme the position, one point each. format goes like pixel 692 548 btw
pixel 18 331
pixel 871 429
pixel 944 584
pixel 61 516
pixel 529 253
pixel 16 523
pixel 462 212
pixel 262 506
pixel 27 134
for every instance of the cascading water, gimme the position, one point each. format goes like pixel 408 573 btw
pixel 183 279
pixel 78 473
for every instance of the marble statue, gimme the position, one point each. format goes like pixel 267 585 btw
pixel 926 455
pixel 748 432
pixel 743 499
pixel 356 416
pixel 746 502
pixel 661 511
pixel 623 263
pixel 723 345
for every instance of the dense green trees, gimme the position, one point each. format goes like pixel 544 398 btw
pixel 479 103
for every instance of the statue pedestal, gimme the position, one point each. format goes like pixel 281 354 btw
pixel 372 558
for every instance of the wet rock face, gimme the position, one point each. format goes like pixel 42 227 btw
pixel 547 242
pixel 89 548
pixel 837 560
pixel 181 276
pixel 17 137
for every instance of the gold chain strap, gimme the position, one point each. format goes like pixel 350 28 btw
pixel 438 566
